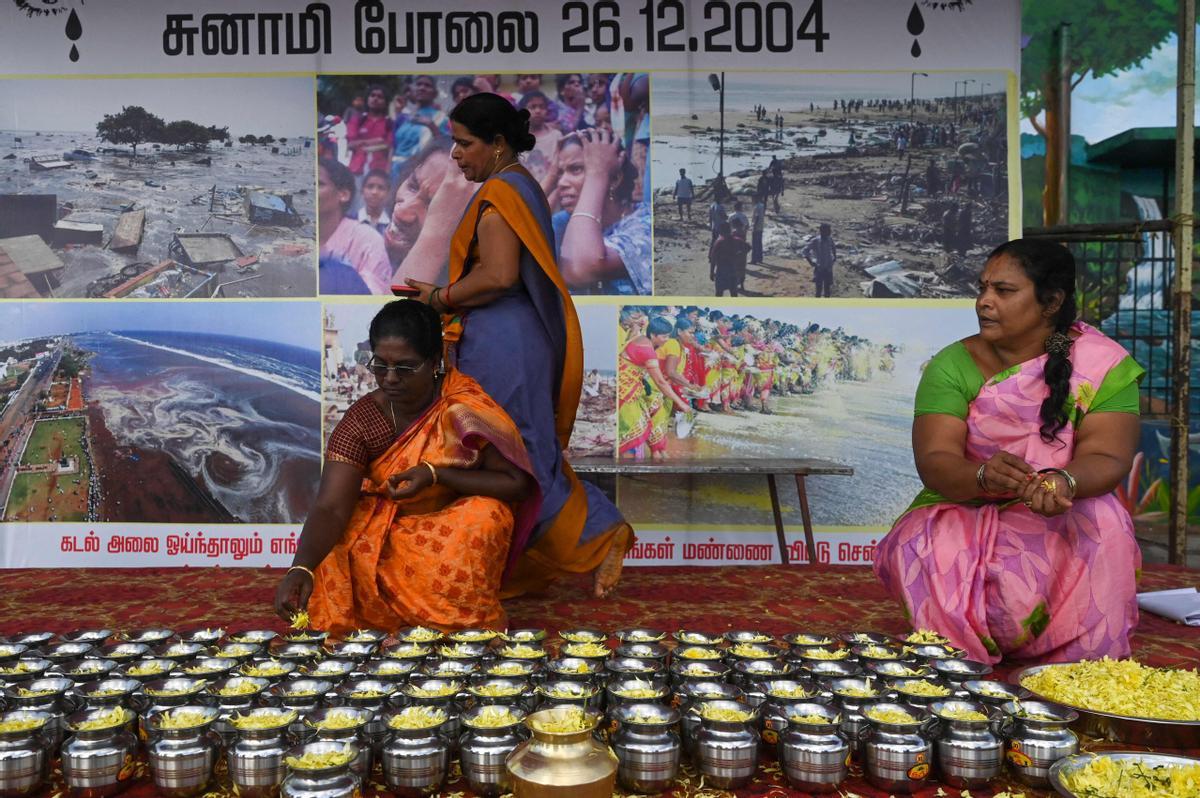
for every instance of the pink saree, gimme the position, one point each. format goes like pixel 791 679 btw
pixel 999 580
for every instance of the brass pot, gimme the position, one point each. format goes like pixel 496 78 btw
pixel 562 764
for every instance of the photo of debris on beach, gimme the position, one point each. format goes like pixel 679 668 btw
pixel 761 382
pixel 180 188
pixel 347 378
pixel 391 196
pixel 170 412
pixel 883 184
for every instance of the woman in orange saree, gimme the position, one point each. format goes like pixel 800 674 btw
pixel 512 326
pixel 427 493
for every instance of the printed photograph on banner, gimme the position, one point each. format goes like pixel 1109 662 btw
pixel 884 184
pixel 762 382
pixel 160 412
pixel 347 377
pixel 392 193
pixel 166 188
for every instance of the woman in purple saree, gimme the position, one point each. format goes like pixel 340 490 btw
pixel 1018 547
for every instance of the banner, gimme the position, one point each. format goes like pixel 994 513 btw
pixel 782 204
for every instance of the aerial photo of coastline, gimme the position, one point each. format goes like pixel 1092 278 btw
pixel 178 413
pixel 180 188
pixel 909 171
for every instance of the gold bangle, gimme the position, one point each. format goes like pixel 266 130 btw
pixel 432 470
pixel 311 575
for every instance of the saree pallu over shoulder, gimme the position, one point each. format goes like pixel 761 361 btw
pixel 438 558
pixel 520 208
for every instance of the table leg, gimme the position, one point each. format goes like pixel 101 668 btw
pixel 783 554
pixel 804 515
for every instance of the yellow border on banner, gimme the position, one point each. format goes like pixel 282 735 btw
pixel 158 75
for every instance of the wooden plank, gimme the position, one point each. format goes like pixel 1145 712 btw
pixel 128 235
pixel 30 254
pixel 713 465
pixel 145 277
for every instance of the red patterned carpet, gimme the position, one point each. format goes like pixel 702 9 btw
pixel 776 599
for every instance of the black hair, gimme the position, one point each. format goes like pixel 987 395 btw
pixel 533 95
pixel 341 176
pixel 382 174
pixel 489 115
pixel 1051 268
pixel 466 82
pixel 413 322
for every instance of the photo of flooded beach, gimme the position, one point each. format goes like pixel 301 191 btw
pixel 157 188
pixel 347 378
pixel 768 381
pixel 171 413
pixel 888 184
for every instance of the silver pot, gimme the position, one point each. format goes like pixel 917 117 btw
pixel 123 653
pixel 450 703
pixel 229 705
pixel 645 651
pixel 11 652
pixel 633 668
pixel 827 672
pixel 898 757
pixel 561 692
pixel 773 710
pixel 317 727
pixel 23 670
pixel 298 652
pixel 969 752
pixel 97 763
pixel 617 693
pixel 685 672
pixel 483 750
pixel 24 755
pixel 255 761
pixel 575 669
pixel 727 751
pixel 513 692
pixel 359 693
pixel 150 636
pixel 328 782
pixel 182 760
pixel 648 747
pixel 814 756
pixel 853 722
pixel 112 692
pixel 1035 744
pixel 396 671
pixel 416 761
pixel 93 636
pixel 209 667
pixel 86 670
pixel 163 694
pixel 693 694
pixel 749 674
pixel 47 695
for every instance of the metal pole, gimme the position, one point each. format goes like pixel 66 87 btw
pixel 1181 293
pixel 721 167
pixel 1064 116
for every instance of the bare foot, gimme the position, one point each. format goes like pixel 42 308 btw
pixel 608 573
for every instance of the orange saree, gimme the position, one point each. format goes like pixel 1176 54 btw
pixel 436 559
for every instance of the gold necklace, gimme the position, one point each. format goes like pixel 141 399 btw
pixel 509 166
pixel 392 410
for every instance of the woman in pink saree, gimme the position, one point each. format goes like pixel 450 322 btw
pixel 1018 547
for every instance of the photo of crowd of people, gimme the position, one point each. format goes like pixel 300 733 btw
pixel 390 192
pixel 347 378
pixel 877 185
pixel 766 381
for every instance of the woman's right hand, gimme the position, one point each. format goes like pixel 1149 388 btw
pixel 1006 473
pixel 292 594
pixel 601 152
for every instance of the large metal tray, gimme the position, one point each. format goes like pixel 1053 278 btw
pixel 1150 732
pixel 1072 763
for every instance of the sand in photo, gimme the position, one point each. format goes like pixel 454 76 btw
pixel 847 150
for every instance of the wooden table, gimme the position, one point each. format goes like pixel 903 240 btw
pixel 798 467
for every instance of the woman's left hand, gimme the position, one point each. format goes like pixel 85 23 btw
pixel 1046 494
pixel 426 290
pixel 409 483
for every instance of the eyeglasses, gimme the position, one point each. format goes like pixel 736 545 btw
pixel 381 370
